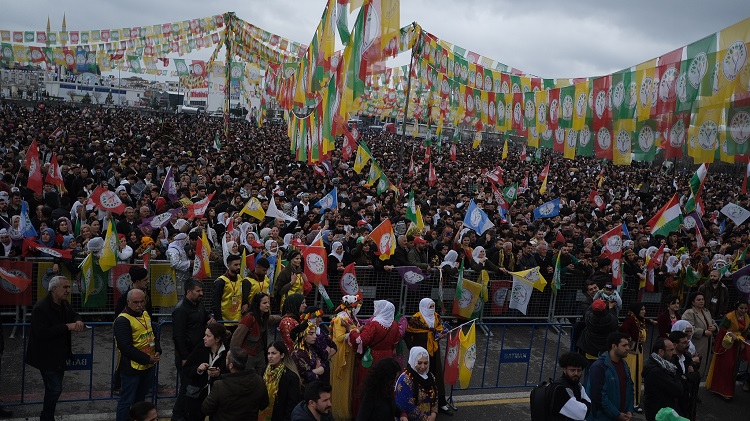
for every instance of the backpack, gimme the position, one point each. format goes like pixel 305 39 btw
pixel 541 399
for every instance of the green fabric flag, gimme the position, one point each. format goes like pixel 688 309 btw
pixel 529 109
pixel 181 67
pixel 738 130
pixel 98 296
pixel 383 184
pixel 7 52
pixel 701 59
pixel 585 141
pixel 556 275
pixel 567 106
pixel 460 282
pixel 217 142
pixel 644 149
pixel 461 63
pixel 341 14
pixel 459 52
pixel 237 71
pixel 411 208
pixel 353 69
pixel 623 96
pixel 511 193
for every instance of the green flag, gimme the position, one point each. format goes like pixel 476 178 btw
pixel 556 284
pixel 644 149
pixel 511 193
pixel 181 67
pixel 567 106
pixel 217 142
pixel 411 208
pixel 460 283
pixel 738 130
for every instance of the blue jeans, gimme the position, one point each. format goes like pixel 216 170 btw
pixel 134 387
pixel 53 380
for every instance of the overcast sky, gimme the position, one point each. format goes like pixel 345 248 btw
pixel 548 38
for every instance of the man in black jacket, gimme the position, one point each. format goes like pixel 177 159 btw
pixel 139 352
pixel 687 371
pixel 570 402
pixel 52 320
pixel 239 395
pixel 316 405
pixel 189 320
pixel 662 386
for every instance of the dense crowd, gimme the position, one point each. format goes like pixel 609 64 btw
pixel 130 153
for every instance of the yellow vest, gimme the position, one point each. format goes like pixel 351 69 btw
pixel 256 287
pixel 231 300
pixel 143 337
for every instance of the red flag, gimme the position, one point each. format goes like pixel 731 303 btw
pixel 544 173
pixel 57 133
pixel 525 182
pixel 427 154
pixel 612 241
pixel 117 55
pixel 318 170
pixel 597 200
pixel 523 152
pixel 499 197
pixel 699 241
pixel 120 281
pixel 30 244
pixel 602 115
pixel 107 200
pixel 35 168
pixel 15 282
pixel 200 271
pixel 432 178
pixel 316 264
pixel 197 209
pixel 54 174
pixel 450 374
pixel 37 56
pixel 350 143
pixel 453 152
pixel 411 165
pixel 496 176
pixel 651 265
pixel 500 296
pixel 348 282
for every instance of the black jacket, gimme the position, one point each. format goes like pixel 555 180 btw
pixel 301 413
pixel 128 352
pixel 593 340
pixel 236 396
pixel 661 389
pixel 188 327
pixel 287 397
pixel 122 302
pixel 49 339
pixel 378 408
pixel 199 356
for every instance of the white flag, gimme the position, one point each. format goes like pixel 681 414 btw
pixel 520 295
pixel 736 213
pixel 274 212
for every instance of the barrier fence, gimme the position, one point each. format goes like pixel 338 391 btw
pixel 542 306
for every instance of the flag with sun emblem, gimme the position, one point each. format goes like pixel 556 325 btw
pixel 316 264
pixel 477 219
pixel 468 356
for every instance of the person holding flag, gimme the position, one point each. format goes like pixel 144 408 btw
pixel 425 329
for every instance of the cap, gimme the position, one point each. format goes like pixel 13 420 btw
pixel 361 223
pixel 419 240
pixel 609 285
pixel 137 273
pixel 598 306
pixel 256 244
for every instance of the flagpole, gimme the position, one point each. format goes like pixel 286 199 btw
pixel 402 148
pixel 463 324
pixel 165 180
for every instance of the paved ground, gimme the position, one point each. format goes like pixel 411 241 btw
pixel 507 398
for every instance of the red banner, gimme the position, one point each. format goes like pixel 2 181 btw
pixel 15 283
pixel 315 264
pixel 120 280
pixel 450 373
pixel 500 291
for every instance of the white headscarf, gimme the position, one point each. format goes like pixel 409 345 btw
pixel 673 264
pixel 681 326
pixel 333 253
pixel 450 258
pixel 475 254
pixel 269 246
pixel 385 311
pixel 287 239
pixel 415 354
pixel 428 314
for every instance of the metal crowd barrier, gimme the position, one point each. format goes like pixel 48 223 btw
pixel 543 306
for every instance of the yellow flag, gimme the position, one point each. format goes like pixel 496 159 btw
pixel 732 57
pixel 470 291
pixel 571 139
pixel 581 105
pixel 543 189
pixel 361 159
pixel 468 356
pixel 420 220
pixel 505 149
pixel 254 209
pixel 243 263
pixel 163 285
pixel 541 100
pixel 477 140
pixel 109 253
pixel 390 23
pixel 644 76
pixel 624 129
pixel 531 276
pixel 87 276
pixel 704 135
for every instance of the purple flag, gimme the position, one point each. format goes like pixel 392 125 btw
pixel 741 280
pixel 412 275
pixel 158 221
pixel 691 221
pixel 170 186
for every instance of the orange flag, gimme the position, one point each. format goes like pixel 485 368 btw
pixel 384 239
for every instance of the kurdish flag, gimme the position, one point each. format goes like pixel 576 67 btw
pixel 696 185
pixel 668 219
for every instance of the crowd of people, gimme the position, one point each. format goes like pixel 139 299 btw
pixel 221 347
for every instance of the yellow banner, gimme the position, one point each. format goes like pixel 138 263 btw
pixel 704 136
pixel 468 356
pixel 163 285
pixel 43 276
pixel 581 105
pixel 644 76
pixel 621 148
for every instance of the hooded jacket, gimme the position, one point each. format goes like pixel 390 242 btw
pixel 236 396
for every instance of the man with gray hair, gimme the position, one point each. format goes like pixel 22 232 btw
pixel 52 320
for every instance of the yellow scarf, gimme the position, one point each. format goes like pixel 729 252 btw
pixel 272 376
pixel 432 344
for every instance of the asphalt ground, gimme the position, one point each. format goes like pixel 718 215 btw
pixel 498 389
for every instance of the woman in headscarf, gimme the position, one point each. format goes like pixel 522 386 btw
pixel 449 266
pixel 337 260
pixel 282 384
pixel 416 391
pixel 425 330
pixel 704 327
pixel 47 239
pixel 293 307
pixel 308 362
pixel 291 280
pixel 685 326
pixel 342 363
pixel 378 402
pixel 62 228
pixel 380 335
pixel 634 326
pixel 729 348
pixel 15 229
pixel 480 262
